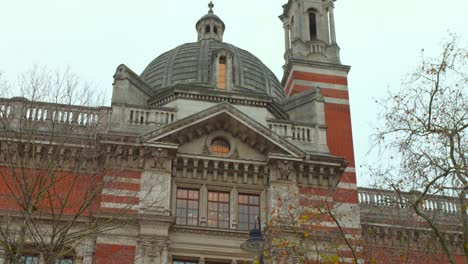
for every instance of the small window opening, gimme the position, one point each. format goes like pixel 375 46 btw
pixel 220 147
pixel 313 26
pixel 215 30
pixel 222 73
pixel 207 29
pixel 291 31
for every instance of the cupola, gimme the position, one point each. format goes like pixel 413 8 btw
pixel 210 26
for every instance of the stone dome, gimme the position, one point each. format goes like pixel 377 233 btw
pixel 196 63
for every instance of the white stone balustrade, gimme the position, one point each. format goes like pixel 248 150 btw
pixel 317 46
pixel 292 131
pixel 385 198
pixel 153 117
pixel 21 109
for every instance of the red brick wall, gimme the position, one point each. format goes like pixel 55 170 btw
pixel 114 254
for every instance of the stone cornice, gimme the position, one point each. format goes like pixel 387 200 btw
pixel 194 92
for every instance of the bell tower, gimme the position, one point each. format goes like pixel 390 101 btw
pixel 309 29
pixel 312 63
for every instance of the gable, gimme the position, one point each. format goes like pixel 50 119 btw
pixel 202 147
pixel 252 136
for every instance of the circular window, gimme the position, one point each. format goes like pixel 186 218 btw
pixel 220 147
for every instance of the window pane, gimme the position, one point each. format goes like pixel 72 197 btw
pixel 182 193
pixel 187 207
pixel 212 196
pixel 249 210
pixel 253 199
pixel 218 209
pixel 243 199
pixel 222 73
pixel 224 197
pixel 182 204
pixel 65 261
pixel 29 260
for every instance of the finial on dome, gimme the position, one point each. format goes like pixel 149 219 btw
pixel 210 26
pixel 211 5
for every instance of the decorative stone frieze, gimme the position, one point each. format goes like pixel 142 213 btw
pixel 153 250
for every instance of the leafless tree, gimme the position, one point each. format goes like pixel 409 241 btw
pixel 52 167
pixel 422 143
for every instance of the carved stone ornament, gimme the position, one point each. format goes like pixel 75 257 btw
pixel 284 168
pixel 159 158
pixel 153 248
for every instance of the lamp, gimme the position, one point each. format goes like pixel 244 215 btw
pixel 255 244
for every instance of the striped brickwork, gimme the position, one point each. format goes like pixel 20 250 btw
pixel 121 192
pixel 344 199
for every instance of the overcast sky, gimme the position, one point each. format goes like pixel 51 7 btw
pixel 380 39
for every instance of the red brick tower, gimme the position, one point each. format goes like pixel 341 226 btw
pixel 313 61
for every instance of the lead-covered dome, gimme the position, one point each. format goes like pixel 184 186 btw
pixel 212 63
pixel 198 63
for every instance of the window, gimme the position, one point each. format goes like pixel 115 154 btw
pixel 207 29
pixel 29 259
pixel 220 146
pixel 291 31
pixel 184 262
pixel 215 30
pixel 222 73
pixel 218 209
pixel 312 25
pixel 249 210
pixel 187 207
pixel 64 260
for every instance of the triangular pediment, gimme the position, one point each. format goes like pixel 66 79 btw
pixel 226 121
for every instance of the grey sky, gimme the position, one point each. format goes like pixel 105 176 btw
pixel 381 40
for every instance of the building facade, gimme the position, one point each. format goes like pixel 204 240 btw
pixel 206 142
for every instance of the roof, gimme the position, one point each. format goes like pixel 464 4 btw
pixel 193 63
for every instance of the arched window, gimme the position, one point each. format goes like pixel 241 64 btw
pixel 207 29
pixel 215 30
pixel 291 31
pixel 221 83
pixel 220 147
pixel 312 25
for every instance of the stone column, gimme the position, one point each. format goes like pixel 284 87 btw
pixel 326 26
pixel 202 207
pixel 229 73
pixel 165 256
pixel 173 198
pixel 332 26
pixel 234 208
pixel 287 42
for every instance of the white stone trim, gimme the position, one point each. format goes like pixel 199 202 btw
pixel 347 186
pixel 121 179
pixel 309 69
pixel 124 193
pixel 321 85
pixel 120 206
pixel 336 101
pixel 116 241
pixel 350 169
